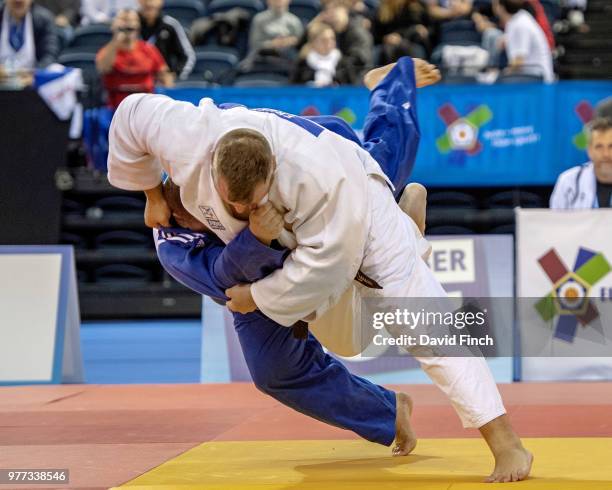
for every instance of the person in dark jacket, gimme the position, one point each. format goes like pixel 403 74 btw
pixel 168 36
pixel 400 28
pixel 28 38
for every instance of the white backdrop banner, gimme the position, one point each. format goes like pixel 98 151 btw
pixel 39 320
pixel 564 286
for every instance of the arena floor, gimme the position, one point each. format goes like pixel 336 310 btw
pixel 231 437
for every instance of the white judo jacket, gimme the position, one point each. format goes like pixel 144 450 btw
pixel 576 188
pixel 320 181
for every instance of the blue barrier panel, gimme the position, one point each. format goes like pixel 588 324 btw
pixel 471 135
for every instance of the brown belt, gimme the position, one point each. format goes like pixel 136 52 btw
pixel 300 329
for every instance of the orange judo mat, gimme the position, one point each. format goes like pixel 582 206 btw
pixel 139 436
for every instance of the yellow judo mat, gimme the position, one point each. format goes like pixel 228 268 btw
pixel 436 464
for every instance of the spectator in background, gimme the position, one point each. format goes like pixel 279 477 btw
pixel 28 38
pixel 527 49
pixel 352 39
pixel 103 11
pixel 276 29
pixel 168 36
pixel 321 63
pixel 589 185
pixel 400 27
pixel 493 37
pixel 66 13
pixel 459 48
pixel 129 65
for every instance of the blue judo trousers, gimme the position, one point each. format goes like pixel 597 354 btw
pixel 298 373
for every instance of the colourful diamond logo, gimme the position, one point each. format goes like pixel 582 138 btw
pixel 462 132
pixel 569 297
pixel 585 113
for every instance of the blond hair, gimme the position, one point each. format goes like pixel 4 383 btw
pixel 314 30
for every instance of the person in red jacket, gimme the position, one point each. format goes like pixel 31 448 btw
pixel 128 64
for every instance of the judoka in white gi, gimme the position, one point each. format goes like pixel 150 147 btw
pixel 340 216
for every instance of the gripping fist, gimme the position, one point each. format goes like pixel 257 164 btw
pixel 157 213
pixel 266 223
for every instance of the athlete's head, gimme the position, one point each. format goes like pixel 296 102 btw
pixel 182 217
pixel 243 169
pixel 600 148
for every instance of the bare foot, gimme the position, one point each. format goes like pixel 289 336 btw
pixel 424 73
pixel 511 465
pixel 512 460
pixel 405 439
pixel 414 203
pixel 375 76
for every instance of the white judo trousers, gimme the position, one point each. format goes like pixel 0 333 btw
pixel 392 257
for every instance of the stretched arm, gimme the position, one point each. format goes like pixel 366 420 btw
pixel 148 130
pixel 204 264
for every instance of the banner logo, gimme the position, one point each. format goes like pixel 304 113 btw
pixel 462 132
pixel 585 113
pixel 569 296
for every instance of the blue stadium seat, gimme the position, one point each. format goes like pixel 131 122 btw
pixel 123 239
pixel 449 230
pixel 512 199
pixel 451 199
pixel 214 65
pixel 261 80
pixel 507 229
pixel 194 84
pixel 114 204
pixel 77 241
pixel 252 6
pixel 306 10
pixel 123 275
pixel 85 60
pixel 90 38
pixel 519 78
pixel 185 11
pixel 71 207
